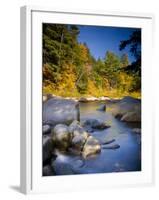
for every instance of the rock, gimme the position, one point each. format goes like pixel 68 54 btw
pixel 76 129
pixel 95 124
pixel 102 108
pixel 48 171
pixel 47 148
pixel 78 142
pixel 137 130
pixel 131 117
pixel 87 99
pixel 108 142
pixel 46 129
pixel 60 111
pixel 61 136
pixel 113 147
pixel 91 147
pixel 103 98
pixel 75 125
pixel 128 109
pixel 47 97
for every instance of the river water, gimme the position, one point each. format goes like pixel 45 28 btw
pixel 124 159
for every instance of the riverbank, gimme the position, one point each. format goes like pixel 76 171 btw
pixel 82 99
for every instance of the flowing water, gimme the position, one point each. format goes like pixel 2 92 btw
pixel 126 158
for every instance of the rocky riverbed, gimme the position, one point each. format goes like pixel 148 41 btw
pixel 97 136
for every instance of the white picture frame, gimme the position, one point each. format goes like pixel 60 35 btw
pixel 31 100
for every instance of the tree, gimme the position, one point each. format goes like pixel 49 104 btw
pixel 134 42
pixel 124 61
pixel 112 65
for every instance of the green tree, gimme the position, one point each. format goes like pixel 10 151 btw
pixel 124 61
pixel 112 65
pixel 134 42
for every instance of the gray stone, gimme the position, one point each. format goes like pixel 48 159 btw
pixel 75 125
pixel 128 109
pixel 95 124
pixel 78 142
pixel 131 117
pixel 48 171
pixel 60 111
pixel 47 147
pixel 61 136
pixel 91 147
pixel 102 108
pixel 46 129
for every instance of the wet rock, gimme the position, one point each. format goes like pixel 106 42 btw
pixel 128 109
pixel 46 129
pixel 131 117
pixel 113 147
pixel 60 111
pixel 48 171
pixel 95 124
pixel 47 148
pixel 102 108
pixel 75 125
pixel 108 142
pixel 61 136
pixel 78 142
pixel 91 147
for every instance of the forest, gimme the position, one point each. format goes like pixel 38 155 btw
pixel 70 70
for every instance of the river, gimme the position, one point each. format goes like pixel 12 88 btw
pixel 124 159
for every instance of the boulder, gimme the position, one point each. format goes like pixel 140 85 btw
pixel 95 124
pixel 61 136
pixel 60 111
pixel 46 129
pixel 131 117
pixel 128 109
pixel 78 142
pixel 102 108
pixel 48 170
pixel 75 125
pixel 47 148
pixel 91 147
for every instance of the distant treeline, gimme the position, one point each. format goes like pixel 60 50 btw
pixel 69 69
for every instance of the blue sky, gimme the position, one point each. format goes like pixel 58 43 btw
pixel 100 39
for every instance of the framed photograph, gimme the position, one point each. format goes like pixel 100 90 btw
pixel 86 116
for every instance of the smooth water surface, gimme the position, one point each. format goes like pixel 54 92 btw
pixel 126 158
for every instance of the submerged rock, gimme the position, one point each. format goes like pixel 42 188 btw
pixel 67 165
pixel 95 124
pixel 60 111
pixel 113 147
pixel 102 108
